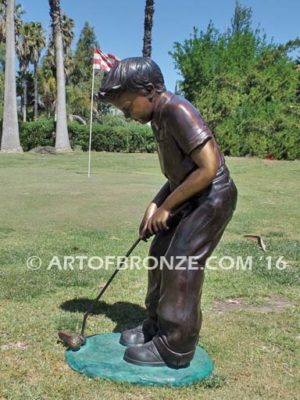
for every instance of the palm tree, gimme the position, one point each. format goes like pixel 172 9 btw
pixel 18 22
pixel 48 93
pixel 24 52
pixel 38 42
pixel 148 23
pixel 10 133
pixel 67 25
pixel 2 21
pixel 67 35
pixel 62 142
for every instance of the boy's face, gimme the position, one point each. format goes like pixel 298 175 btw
pixel 135 105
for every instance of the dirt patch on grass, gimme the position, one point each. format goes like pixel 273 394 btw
pixel 271 304
pixel 16 346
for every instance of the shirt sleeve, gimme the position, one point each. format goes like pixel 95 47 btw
pixel 187 126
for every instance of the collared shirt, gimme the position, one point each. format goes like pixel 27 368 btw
pixel 179 129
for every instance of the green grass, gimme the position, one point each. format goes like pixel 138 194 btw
pixel 49 207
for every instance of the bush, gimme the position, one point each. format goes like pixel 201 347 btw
pixel 237 136
pixel 261 136
pixel 246 88
pixel 126 137
pixel 37 133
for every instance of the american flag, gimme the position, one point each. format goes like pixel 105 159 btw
pixel 104 61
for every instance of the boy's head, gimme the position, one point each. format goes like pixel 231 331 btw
pixel 136 74
pixel 131 86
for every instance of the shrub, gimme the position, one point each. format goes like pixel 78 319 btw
pixel 127 137
pixel 246 88
pixel 237 136
pixel 37 133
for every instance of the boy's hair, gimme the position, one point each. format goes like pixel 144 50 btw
pixel 132 75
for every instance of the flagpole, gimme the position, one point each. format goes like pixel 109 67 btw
pixel 91 123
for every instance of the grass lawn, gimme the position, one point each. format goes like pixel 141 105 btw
pixel 50 208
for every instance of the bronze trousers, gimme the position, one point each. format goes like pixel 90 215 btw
pixel 176 267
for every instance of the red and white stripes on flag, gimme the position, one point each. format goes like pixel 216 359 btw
pixel 104 61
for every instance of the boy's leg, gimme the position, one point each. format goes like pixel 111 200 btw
pixel 158 249
pixel 179 313
pixel 179 310
pixel 148 329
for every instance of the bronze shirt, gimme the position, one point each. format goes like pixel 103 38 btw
pixel 178 128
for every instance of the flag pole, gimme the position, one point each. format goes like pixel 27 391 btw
pixel 91 123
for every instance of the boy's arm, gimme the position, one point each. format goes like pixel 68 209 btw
pixel 206 158
pixel 153 206
pixel 207 161
pixel 162 194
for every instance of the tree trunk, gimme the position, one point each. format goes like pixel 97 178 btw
pixel 148 23
pixel 10 133
pixel 36 94
pixel 24 105
pixel 62 142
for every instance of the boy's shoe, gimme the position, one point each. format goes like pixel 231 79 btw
pixel 146 355
pixel 139 335
pixel 157 354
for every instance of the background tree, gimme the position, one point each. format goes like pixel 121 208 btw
pixel 83 57
pixel 2 53
pixel 49 60
pixel 245 87
pixel 62 142
pixel 38 43
pixel 67 25
pixel 241 20
pixel 2 21
pixel 148 23
pixel 18 23
pixel 10 133
pixel 48 93
pixel 24 49
pixel 48 69
pixel 80 79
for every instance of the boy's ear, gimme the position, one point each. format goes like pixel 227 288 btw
pixel 150 90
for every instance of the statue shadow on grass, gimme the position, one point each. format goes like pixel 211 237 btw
pixel 125 315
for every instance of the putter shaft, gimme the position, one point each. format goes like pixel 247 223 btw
pixel 119 266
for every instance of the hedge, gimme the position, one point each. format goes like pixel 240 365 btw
pixel 121 136
pixel 130 137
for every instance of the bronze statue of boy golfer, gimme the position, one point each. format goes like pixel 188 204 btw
pixel 199 183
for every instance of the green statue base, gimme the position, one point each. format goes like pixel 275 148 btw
pixel 102 356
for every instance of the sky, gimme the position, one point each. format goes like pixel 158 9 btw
pixel 119 24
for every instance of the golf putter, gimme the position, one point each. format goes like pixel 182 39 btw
pixel 74 341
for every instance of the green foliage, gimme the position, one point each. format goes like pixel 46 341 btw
pixel 247 89
pixel 241 21
pixel 1 91
pixel 112 120
pixel 112 134
pixel 83 58
pixel 37 133
pixel 80 79
pixel 108 137
pixel 79 99
pixel 48 61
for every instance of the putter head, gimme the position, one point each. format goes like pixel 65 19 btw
pixel 74 342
